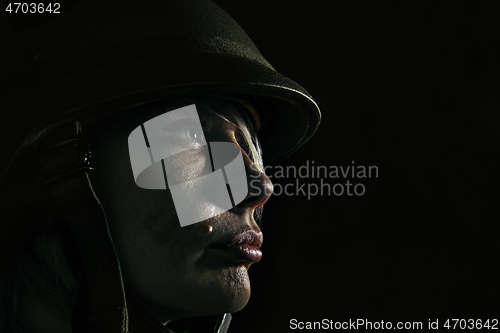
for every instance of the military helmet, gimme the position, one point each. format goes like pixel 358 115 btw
pixel 98 57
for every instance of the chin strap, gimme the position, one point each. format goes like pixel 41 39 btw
pixel 65 162
pixel 223 325
pixel 101 306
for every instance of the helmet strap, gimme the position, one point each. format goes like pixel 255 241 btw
pixel 66 166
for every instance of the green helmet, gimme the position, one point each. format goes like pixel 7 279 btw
pixel 97 58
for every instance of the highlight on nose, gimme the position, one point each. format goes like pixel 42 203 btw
pixel 260 187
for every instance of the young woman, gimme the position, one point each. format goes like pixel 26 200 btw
pixel 94 232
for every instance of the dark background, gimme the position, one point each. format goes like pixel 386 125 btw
pixel 410 88
pixel 414 89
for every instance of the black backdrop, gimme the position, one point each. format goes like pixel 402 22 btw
pixel 412 89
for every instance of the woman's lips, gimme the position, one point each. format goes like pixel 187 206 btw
pixel 245 251
pixel 243 246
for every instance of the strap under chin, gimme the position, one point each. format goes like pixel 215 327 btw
pixel 61 164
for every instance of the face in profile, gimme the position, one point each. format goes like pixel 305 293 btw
pixel 179 271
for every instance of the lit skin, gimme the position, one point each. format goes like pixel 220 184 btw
pixel 175 271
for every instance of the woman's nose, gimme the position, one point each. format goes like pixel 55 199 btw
pixel 260 187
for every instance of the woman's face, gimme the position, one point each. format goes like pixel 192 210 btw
pixel 175 271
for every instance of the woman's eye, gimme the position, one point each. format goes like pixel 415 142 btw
pixel 187 129
pixel 189 133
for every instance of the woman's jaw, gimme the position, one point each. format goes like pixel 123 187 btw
pixel 208 274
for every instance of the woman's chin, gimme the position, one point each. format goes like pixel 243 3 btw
pixel 235 303
pixel 225 292
pixel 231 293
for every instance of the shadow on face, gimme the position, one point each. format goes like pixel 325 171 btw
pixel 174 271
